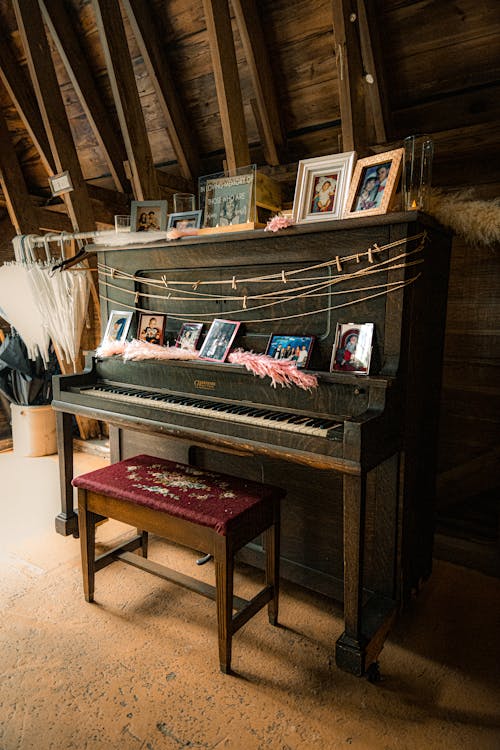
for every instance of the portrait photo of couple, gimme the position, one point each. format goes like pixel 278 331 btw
pixel 373 186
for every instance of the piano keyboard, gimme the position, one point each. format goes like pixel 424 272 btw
pixel 259 417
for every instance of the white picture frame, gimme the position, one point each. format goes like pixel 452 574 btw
pixel 352 350
pixel 118 325
pixel 321 187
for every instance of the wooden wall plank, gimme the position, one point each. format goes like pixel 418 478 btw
pixel 220 38
pixel 126 98
pixel 19 205
pixel 261 74
pixel 21 92
pixel 180 134
pixel 68 47
pixel 51 105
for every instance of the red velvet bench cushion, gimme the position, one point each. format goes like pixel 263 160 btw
pixel 203 497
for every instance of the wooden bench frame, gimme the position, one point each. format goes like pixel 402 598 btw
pixel 264 518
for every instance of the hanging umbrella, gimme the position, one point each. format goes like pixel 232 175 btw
pixel 62 298
pixel 19 307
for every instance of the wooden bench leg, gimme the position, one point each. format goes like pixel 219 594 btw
pixel 86 525
pixel 144 542
pixel 272 546
pixel 224 569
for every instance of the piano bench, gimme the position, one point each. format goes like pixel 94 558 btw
pixel 200 509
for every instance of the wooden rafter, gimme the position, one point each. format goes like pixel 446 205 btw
pixel 126 96
pixel 266 109
pixel 68 47
pixel 227 82
pixel 353 111
pixel 53 111
pixel 180 133
pixel 50 102
pixel 373 68
pixel 21 210
pixel 23 97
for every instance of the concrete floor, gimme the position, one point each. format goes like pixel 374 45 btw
pixel 138 669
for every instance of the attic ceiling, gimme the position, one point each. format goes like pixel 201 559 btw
pixel 155 94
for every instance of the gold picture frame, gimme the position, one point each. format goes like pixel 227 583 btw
pixel 374 183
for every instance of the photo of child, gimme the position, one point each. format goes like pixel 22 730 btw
pixel 189 335
pixel 219 339
pixel 353 348
pixel 151 328
pixel 118 325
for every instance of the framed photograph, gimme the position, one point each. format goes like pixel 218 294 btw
pixel 148 216
pixel 189 335
pixel 228 200
pixel 60 183
pixel 151 328
pixel 295 348
pixel 353 348
pixel 118 325
pixel 322 186
pixel 219 339
pixel 374 184
pixel 185 220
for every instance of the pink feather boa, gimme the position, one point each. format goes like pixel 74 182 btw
pixel 136 350
pixel 281 372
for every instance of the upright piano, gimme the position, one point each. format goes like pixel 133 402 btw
pixel 356 454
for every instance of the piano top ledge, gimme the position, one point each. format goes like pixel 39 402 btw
pixel 322 375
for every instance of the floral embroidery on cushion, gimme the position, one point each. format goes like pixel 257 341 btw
pixel 164 482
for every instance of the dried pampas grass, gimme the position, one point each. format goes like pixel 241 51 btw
pixel 476 221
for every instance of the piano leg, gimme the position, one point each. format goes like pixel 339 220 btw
pixel 367 622
pixel 67 520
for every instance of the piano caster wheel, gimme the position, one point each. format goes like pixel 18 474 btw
pixel 373 673
pixel 203 560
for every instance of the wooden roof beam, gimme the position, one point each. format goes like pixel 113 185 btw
pixel 227 82
pixel 53 111
pixel 179 131
pixel 126 96
pixel 371 55
pixel 20 90
pixel 68 47
pixel 353 111
pixel 266 103
pixel 20 207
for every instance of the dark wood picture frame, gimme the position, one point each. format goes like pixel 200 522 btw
pixel 151 328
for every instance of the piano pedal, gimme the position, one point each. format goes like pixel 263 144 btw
pixel 203 560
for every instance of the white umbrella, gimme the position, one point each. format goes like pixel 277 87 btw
pixel 62 297
pixel 19 306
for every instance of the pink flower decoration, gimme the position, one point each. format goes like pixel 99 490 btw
pixel 278 222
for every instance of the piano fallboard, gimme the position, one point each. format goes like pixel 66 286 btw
pixel 224 405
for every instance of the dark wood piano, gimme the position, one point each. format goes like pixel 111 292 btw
pixel 357 454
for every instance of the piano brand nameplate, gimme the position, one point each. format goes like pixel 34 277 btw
pixel 204 385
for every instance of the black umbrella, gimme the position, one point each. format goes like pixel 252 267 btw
pixel 22 380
